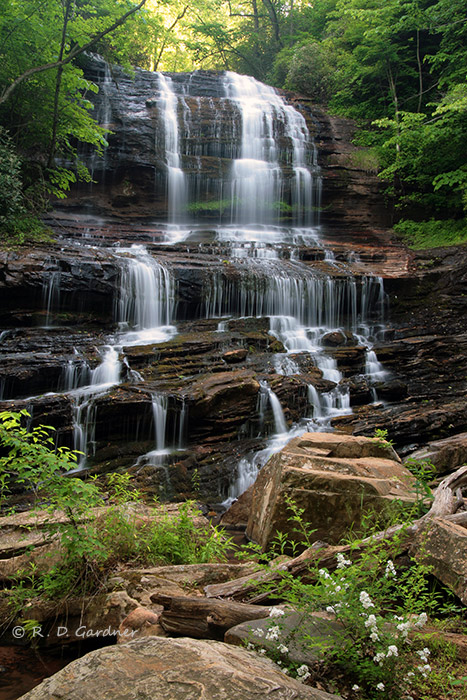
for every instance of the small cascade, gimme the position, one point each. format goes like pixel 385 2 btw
pixel 51 295
pixel 247 468
pixel 182 425
pixel 280 425
pixel 83 401
pixel 176 181
pixel 284 364
pixel 147 298
pixel 374 371
pixel 76 373
pixel 159 412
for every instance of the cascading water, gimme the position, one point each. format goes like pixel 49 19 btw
pixel 147 298
pixel 257 175
pixel 246 163
pixel 176 183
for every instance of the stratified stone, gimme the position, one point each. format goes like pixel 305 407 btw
pixel 443 547
pixel 446 455
pixel 173 669
pixel 334 478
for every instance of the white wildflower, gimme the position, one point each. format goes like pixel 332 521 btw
pixel 276 612
pixel 355 687
pixel 390 569
pixel 378 658
pixel 374 636
pixel 330 609
pixel 261 651
pixel 273 633
pixel 403 628
pixel 342 562
pixel 302 670
pixel 422 620
pixel 323 573
pixel 371 621
pixel 285 670
pixel 380 686
pixel 424 654
pixel 283 649
pixel 250 646
pixel 365 600
pixel 258 632
pixel 392 651
pixel 424 670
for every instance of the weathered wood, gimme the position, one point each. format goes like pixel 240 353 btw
pixel 205 618
pixel 444 505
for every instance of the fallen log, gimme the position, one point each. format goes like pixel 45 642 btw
pixel 446 504
pixel 204 618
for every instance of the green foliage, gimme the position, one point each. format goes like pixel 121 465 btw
pixel 380 606
pixel 92 539
pixel 432 233
pixel 381 437
pixel 11 204
pixel 307 69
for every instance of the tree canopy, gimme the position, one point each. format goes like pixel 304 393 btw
pixel 399 68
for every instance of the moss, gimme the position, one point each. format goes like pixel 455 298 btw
pixel 433 233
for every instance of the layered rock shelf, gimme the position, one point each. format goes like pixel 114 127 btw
pixel 176 326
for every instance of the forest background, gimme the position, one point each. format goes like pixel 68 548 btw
pixel 398 67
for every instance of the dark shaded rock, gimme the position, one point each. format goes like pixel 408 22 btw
pixel 334 338
pixel 446 455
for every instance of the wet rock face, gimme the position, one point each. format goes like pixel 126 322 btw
pixel 62 302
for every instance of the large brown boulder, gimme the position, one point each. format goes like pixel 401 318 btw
pixel 443 547
pixel 335 478
pixel 173 669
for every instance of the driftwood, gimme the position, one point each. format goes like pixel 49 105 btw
pixel 446 504
pixel 204 618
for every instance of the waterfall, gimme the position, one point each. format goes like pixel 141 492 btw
pixel 147 298
pixel 237 179
pixel 176 181
pixel 83 402
pixel 257 175
pixel 51 295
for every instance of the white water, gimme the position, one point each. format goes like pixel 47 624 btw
pixel 268 176
pixel 257 177
pixel 176 181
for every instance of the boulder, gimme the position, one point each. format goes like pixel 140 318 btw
pixel 237 515
pixel 174 669
pixel 334 478
pixel 237 355
pixel 139 623
pixel 443 547
pixel 293 630
pixel 446 455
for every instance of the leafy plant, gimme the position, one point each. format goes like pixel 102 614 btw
pixel 380 606
pixel 91 539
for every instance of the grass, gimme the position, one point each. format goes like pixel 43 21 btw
pixel 433 233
